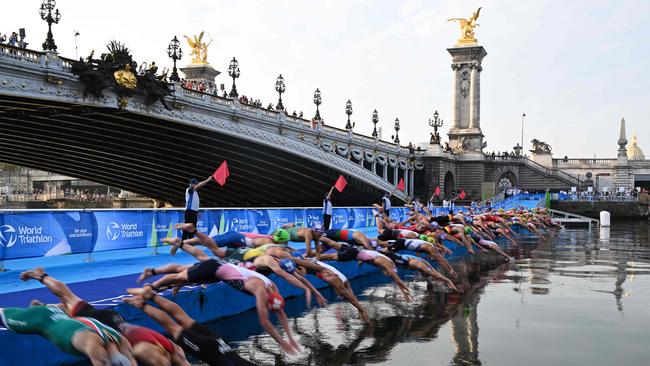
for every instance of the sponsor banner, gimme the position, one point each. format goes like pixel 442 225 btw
pixel 43 233
pixel 123 229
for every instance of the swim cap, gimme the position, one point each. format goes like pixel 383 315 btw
pixel 468 230
pixel 281 236
pixel 276 302
pixel 424 237
pixel 287 265
pixel 118 359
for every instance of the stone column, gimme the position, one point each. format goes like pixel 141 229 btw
pixel 475 94
pixel 455 106
pixel 385 171
pixel 396 174
pixel 406 181
pixel 411 186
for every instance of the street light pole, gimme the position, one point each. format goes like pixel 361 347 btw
pixel 174 52
pixel 348 111
pixel 233 71
pixel 280 87
pixel 46 14
pixel 317 100
pixel 375 120
pixel 396 126
pixel 522 129
pixel 436 123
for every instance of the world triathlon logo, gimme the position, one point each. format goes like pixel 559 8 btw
pixel 8 236
pixel 113 231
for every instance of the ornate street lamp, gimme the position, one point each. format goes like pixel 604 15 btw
pixel 174 52
pixel 375 120
pixel 348 111
pixel 435 123
pixel 396 137
pixel 317 101
pixel 233 71
pixel 46 14
pixel 280 88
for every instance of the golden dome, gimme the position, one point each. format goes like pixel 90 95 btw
pixel 634 152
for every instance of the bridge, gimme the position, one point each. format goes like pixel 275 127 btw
pixel 275 159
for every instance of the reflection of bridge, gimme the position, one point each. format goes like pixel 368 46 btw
pixel 48 124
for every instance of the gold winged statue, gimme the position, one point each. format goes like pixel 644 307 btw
pixel 199 49
pixel 467 28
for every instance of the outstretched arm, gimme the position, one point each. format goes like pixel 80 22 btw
pixel 202 183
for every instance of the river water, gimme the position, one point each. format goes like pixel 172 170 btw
pixel 580 298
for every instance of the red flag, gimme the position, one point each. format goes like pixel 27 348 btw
pixel 340 183
pixel 401 185
pixel 437 192
pixel 221 174
pixel 462 195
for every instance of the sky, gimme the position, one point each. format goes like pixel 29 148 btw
pixel 574 67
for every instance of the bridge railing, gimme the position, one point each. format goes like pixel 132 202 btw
pixel 568 177
pixel 583 163
pixel 21 54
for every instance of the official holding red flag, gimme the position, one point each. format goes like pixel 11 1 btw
pixel 327 203
pixel 192 203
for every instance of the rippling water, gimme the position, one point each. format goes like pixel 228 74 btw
pixel 579 299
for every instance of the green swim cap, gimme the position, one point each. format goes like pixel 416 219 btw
pixel 468 230
pixel 281 236
pixel 424 237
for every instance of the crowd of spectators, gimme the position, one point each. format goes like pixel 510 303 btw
pixel 201 86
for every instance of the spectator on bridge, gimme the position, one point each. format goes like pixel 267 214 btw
pixel 327 210
pixel 13 39
pixel 192 204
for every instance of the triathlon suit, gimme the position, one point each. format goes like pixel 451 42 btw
pixel 53 324
pixel 440 220
pixel 133 333
pixel 206 345
pixel 244 254
pixel 345 236
pixel 398 259
pixel 232 239
pixel 369 255
pixel 332 269
pixel 293 234
pixel 408 244
pixel 347 253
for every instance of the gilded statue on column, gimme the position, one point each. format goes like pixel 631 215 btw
pixel 199 49
pixel 467 28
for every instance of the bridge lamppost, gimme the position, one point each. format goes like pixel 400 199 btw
pixel 280 88
pixel 46 14
pixel 233 71
pixel 174 52
pixel 317 100
pixel 436 123
pixel 396 137
pixel 348 111
pixel 375 120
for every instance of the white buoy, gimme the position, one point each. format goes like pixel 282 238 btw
pixel 604 219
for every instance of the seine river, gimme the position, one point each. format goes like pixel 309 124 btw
pixel 581 298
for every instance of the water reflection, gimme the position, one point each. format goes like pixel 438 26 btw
pixel 547 287
pixel 334 336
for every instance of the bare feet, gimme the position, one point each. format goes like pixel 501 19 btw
pixel 136 301
pixel 187 227
pixel 33 274
pixel 174 242
pixel 145 292
pixel 148 272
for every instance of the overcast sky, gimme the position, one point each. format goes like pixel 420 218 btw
pixel 574 67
